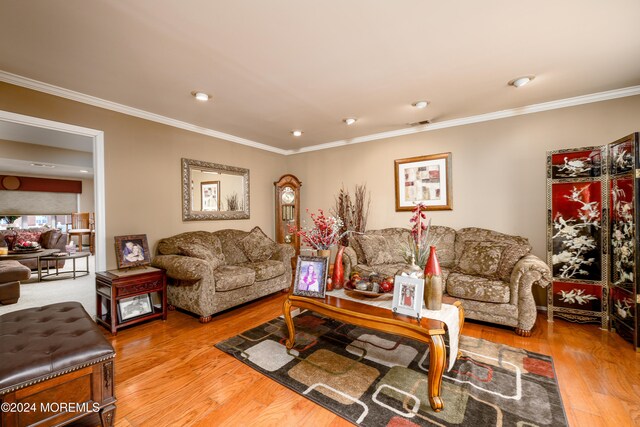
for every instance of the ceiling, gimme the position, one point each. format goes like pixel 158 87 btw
pixel 21 146
pixel 274 66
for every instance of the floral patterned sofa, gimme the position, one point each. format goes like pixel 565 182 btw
pixel 490 272
pixel 212 271
pixel 49 238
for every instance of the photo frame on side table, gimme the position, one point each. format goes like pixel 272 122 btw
pixel 311 276
pixel 426 180
pixel 132 250
pixel 129 308
pixel 408 295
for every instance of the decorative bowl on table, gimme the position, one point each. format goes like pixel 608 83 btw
pixel 26 246
pixel 372 287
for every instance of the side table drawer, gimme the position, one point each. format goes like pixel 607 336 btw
pixel 155 285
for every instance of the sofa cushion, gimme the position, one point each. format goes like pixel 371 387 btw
pixel 445 238
pixel 481 259
pixel 484 235
pixel 169 245
pixel 266 270
pixel 28 236
pixel 230 277
pixel 478 288
pixel 375 248
pixel 197 250
pixel 233 253
pixel 396 244
pixel 257 246
pixel 510 257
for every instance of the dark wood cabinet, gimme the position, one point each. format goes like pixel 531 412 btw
pixel 116 285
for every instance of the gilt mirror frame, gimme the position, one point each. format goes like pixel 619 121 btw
pixel 190 215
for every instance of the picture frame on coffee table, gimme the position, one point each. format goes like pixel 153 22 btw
pixel 311 276
pixel 132 251
pixel 408 293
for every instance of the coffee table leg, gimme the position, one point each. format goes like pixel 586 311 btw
pixel 437 359
pixel 286 309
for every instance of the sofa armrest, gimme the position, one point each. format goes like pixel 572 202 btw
pixel 284 253
pixel 349 261
pixel 183 267
pixel 528 271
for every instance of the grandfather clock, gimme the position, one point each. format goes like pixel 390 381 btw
pixel 288 210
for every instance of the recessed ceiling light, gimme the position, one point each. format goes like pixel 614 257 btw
pixel 420 104
pixel 42 165
pixel 296 132
pixel 350 120
pixel 201 96
pixel 84 171
pixel 521 81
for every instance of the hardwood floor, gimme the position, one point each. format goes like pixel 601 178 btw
pixel 170 374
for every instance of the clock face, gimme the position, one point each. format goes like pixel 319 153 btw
pixel 288 196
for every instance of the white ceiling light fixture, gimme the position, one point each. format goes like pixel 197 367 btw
pixel 296 133
pixel 201 96
pixel 420 104
pixel 42 165
pixel 350 120
pixel 84 171
pixel 521 81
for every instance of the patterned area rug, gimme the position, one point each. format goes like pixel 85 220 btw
pixel 376 379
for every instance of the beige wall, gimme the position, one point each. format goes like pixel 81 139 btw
pixel 86 201
pixel 142 162
pixel 498 167
pixel 44 154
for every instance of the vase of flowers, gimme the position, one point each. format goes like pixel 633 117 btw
pixel 419 242
pixel 324 233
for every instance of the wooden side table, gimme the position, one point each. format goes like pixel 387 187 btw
pixel 114 286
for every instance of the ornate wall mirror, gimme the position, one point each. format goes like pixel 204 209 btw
pixel 211 191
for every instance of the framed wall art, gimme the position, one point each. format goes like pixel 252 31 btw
pixel 311 276
pixel 210 195
pixel 132 250
pixel 408 296
pixel 424 179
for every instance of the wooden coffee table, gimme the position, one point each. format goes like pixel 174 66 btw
pixel 426 330
pixel 17 255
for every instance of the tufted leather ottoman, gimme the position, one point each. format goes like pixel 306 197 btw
pixel 55 367
pixel 11 273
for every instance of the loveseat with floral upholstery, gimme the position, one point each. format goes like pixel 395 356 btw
pixel 489 272
pixel 212 271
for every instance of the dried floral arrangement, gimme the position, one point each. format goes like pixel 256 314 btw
pixel 325 232
pixel 233 203
pixel 419 242
pixel 354 211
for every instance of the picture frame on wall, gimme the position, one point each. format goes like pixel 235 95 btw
pixel 311 276
pixel 135 306
pixel 426 180
pixel 408 296
pixel 132 250
pixel 210 196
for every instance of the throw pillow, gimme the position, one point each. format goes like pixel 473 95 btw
pixel 375 248
pixel 196 250
pixel 396 244
pixel 481 259
pixel 257 246
pixel 510 257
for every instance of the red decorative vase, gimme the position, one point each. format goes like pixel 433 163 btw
pixel 337 278
pixel 433 282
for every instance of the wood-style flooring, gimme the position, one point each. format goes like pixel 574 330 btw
pixel 170 374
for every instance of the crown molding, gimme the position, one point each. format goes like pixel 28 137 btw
pixel 503 114
pixel 513 112
pixel 28 83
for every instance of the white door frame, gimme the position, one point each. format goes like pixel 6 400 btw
pixel 97 137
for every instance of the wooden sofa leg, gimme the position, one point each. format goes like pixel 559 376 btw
pixel 523 333
pixel 107 415
pixel 205 319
